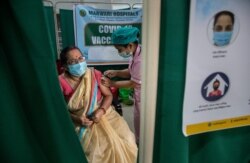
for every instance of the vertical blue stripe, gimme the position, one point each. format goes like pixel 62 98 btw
pixel 91 109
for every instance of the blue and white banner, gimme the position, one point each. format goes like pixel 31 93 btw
pixel 217 84
pixel 93 29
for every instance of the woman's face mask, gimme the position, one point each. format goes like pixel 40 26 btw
pixel 77 69
pixel 222 38
pixel 125 54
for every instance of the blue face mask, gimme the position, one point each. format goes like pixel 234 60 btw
pixel 125 54
pixel 77 69
pixel 222 38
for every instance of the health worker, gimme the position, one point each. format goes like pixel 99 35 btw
pixel 126 41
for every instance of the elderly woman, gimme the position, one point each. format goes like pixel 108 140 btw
pixel 104 135
pixel 126 42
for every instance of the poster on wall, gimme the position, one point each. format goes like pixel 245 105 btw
pixel 217 84
pixel 94 27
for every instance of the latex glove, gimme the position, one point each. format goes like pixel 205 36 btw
pixel 110 73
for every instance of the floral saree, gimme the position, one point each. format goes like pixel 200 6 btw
pixel 110 140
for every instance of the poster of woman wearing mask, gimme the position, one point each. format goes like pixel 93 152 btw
pixel 218 61
pixel 223 28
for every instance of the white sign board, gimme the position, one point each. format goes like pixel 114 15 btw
pixel 217 88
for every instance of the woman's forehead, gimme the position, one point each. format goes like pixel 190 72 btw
pixel 119 47
pixel 224 19
pixel 75 53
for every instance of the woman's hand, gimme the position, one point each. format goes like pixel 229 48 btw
pixel 86 121
pixel 110 73
pixel 97 115
pixel 81 121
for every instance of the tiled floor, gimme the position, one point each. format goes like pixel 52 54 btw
pixel 128 115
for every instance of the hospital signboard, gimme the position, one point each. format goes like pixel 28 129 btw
pixel 94 27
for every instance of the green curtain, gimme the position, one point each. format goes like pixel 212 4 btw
pixel 49 17
pixel 67 27
pixel 34 122
pixel 226 146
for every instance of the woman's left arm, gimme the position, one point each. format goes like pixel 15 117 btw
pixel 123 84
pixel 106 102
pixel 107 97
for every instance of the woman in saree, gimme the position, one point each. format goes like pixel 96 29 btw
pixel 104 135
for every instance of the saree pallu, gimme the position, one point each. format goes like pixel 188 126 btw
pixel 110 140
